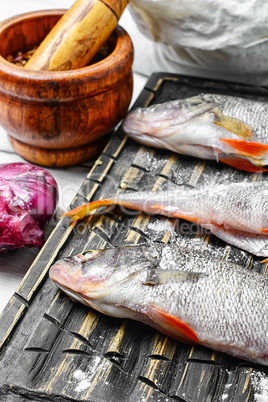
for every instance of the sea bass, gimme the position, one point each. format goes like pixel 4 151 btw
pixel 182 293
pixel 237 213
pixel 209 126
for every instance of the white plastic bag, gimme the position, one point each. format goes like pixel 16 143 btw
pixel 214 38
pixel 203 24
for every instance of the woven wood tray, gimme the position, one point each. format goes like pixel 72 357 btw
pixel 52 349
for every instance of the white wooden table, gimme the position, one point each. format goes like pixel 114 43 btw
pixel 13 265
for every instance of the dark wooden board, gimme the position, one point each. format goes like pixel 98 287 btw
pixel 52 349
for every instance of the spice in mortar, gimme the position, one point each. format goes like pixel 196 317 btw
pixel 21 58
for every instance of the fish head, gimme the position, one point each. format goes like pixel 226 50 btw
pixel 154 124
pixel 124 282
pixel 93 275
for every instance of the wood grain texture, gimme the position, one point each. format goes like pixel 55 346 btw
pixel 61 350
pixel 78 35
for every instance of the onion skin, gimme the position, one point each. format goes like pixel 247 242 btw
pixel 28 199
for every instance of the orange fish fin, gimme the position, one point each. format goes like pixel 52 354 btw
pixel 80 212
pixel 264 230
pixel 188 218
pixel 236 126
pixel 242 164
pixel 264 261
pixel 172 326
pixel 175 214
pixel 251 149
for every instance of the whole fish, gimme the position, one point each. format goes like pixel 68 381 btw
pixel 208 126
pixel 236 213
pixel 184 294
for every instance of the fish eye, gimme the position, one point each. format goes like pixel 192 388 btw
pixel 87 253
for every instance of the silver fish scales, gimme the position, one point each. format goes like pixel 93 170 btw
pixel 236 213
pixel 182 293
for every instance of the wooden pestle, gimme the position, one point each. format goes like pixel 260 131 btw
pixel 78 35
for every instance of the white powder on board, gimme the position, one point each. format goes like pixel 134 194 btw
pixel 259 383
pixel 84 379
pixel 161 226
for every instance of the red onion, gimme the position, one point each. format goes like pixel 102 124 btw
pixel 28 199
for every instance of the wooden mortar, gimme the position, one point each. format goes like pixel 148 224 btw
pixel 61 118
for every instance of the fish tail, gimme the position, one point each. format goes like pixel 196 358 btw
pixel 80 212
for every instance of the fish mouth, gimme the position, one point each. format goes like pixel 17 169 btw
pixel 147 139
pixel 63 278
pixel 73 283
